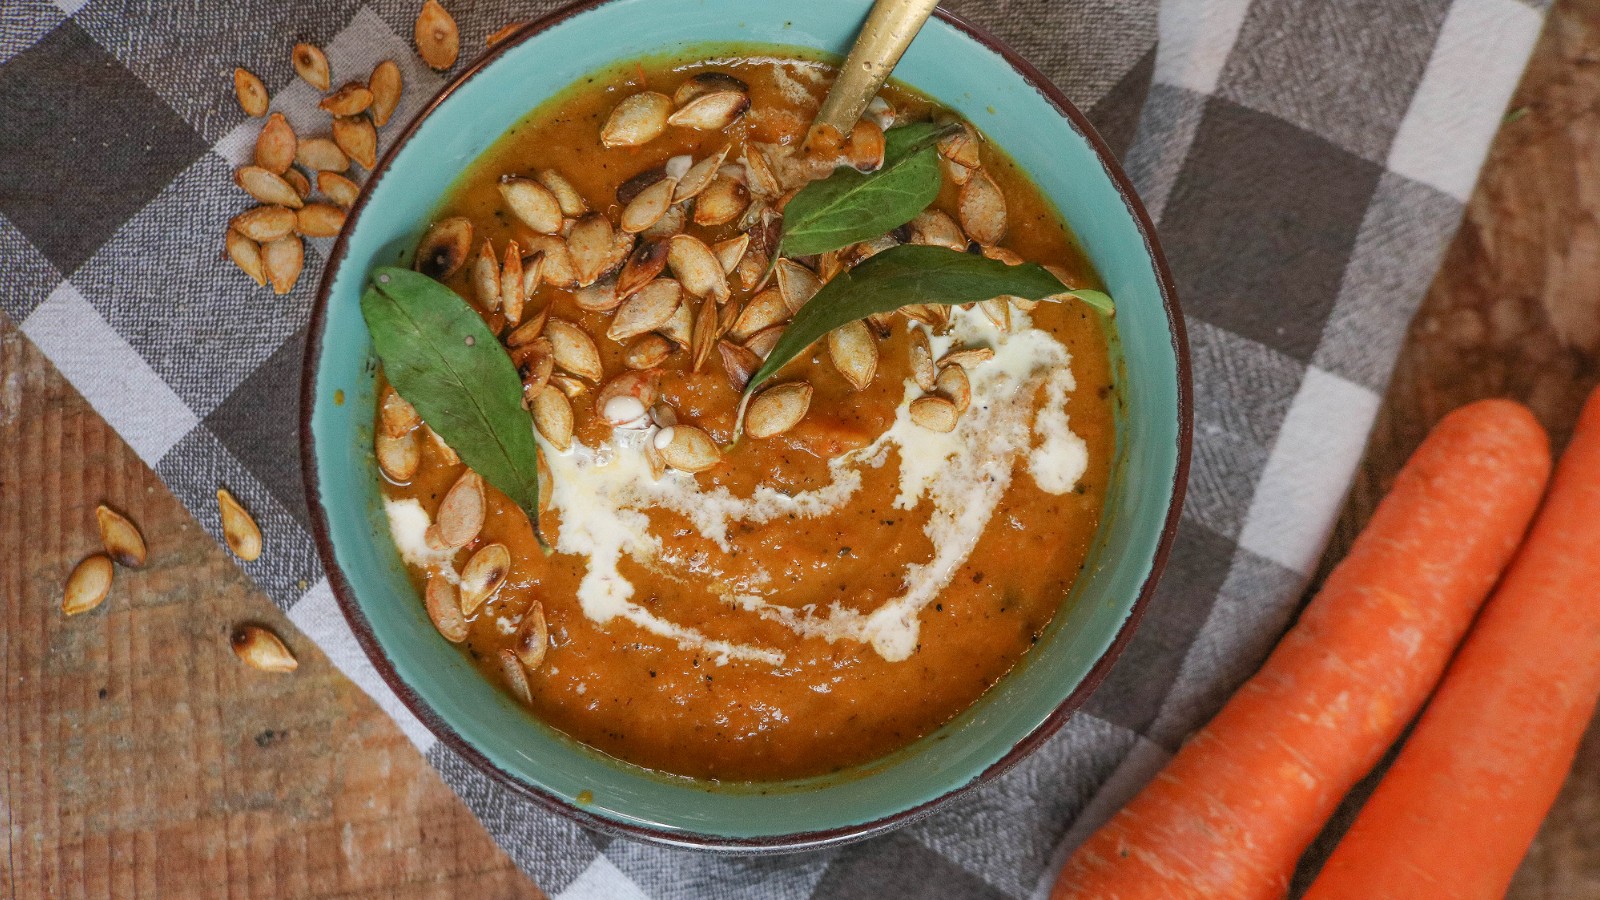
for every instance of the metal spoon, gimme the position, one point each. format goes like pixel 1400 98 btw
pixel 883 40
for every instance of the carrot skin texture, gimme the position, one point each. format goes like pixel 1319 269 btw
pixel 1232 812
pixel 1456 812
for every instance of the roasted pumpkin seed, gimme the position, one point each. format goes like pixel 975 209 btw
pixel 646 262
pixel 251 92
pixel 854 353
pixel 574 349
pixel 513 284
pixel 863 150
pixel 88 584
pixel 697 268
pixel 934 414
pixel 262 650
pixel 638 119
pixel 444 248
pixel 935 228
pixel 533 639
pixel 721 202
pixel 680 328
pixel 386 86
pixel 311 64
pixel 320 154
pixel 648 309
pixel 598 297
pixel 983 209
pixel 298 182
pixel 922 369
pixel 443 603
pixel 357 137
pixel 777 409
pixel 516 678
pixel 762 342
pixel 572 202
pixel 246 254
pixel 961 147
pixel 762 181
pixel 350 99
pixel 646 351
pixel 648 206
pixel 460 514
pixel 556 267
pixel 730 252
pixel 266 187
pixel 532 203
pixel 796 283
pixel 276 144
pixel 699 176
pixel 687 448
pixel 483 575
pixel 711 111
pixel 486 278
pixel 703 83
pixel 396 414
pixel 764 310
pixel 707 330
pixel 536 367
pixel 625 400
pixel 398 457
pixel 966 358
pixel 590 243
pixel 319 220
pixel 671 222
pixel 437 37
pixel 955 386
pixel 738 362
pixel 570 385
pixel 239 530
pixel 281 261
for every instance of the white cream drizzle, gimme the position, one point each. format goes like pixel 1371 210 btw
pixel 602 493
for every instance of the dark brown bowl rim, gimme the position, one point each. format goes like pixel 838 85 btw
pixel 771 844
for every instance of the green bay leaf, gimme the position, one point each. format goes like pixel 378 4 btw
pixel 905 275
pixel 850 206
pixel 441 357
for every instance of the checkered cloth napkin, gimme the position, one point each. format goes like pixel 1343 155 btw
pixel 1306 162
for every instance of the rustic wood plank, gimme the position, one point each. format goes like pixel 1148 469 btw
pixel 142 759
pixel 1515 312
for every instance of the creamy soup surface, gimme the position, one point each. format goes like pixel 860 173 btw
pixel 818 598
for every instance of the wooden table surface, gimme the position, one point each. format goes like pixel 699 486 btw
pixel 141 758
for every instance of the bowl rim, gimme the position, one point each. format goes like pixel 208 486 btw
pixel 779 843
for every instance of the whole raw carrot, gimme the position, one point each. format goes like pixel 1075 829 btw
pixel 1232 812
pixel 1464 799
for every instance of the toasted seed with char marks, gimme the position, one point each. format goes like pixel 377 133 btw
pixel 358 138
pixel 460 514
pixel 444 248
pixel 854 353
pixel 121 538
pixel 311 64
pixel 687 448
pixel 398 457
pixel 320 154
pixel 934 414
pixel 707 330
pixel 239 530
pixel 350 99
pixel 536 362
pixel 777 409
pixel 646 351
pixel 712 111
pixel 262 650
pixel 703 83
pixel 721 202
pixel 386 86
pixel 246 254
pixel 699 176
pixel 556 268
pixel 251 92
pixel 88 584
pixel 648 309
pixel 266 187
pixel 638 119
pixel 574 349
pixel 483 575
pixel 319 220
pixel 598 297
pixel 437 37
pixel 516 678
pixel 444 608
pixel 647 261
pixel 282 261
pixel 276 144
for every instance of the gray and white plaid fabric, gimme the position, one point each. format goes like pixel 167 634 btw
pixel 1306 162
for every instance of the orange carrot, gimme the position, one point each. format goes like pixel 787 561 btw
pixel 1234 809
pixel 1457 811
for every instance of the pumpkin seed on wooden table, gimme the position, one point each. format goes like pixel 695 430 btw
pixel 311 64
pixel 88 584
pixel 121 538
pixel 437 37
pixel 262 650
pixel 251 93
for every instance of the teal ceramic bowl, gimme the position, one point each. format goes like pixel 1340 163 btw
pixel 1005 97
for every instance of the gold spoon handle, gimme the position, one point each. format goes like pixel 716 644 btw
pixel 883 40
